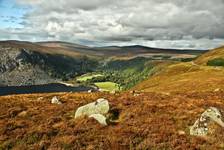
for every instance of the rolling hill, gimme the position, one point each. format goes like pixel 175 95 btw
pixel 75 50
pixel 215 53
pixel 189 76
pixel 119 51
pixel 27 63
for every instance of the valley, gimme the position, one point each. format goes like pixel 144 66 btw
pixel 54 62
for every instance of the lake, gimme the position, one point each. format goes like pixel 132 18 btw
pixel 47 88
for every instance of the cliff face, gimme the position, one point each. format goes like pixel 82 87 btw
pixel 32 64
pixel 17 67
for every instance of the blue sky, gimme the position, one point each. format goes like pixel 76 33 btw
pixel 11 14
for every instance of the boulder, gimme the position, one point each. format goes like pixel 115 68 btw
pixel 90 91
pixel 100 118
pixel 201 128
pixel 55 100
pixel 100 106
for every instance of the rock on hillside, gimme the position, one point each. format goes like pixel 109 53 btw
pixel 150 121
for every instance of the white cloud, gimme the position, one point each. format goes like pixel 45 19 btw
pixel 171 23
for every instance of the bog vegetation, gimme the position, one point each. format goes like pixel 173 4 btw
pixel 148 121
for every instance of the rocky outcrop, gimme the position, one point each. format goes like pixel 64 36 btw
pixel 24 63
pixel 201 126
pixel 17 68
pixel 100 106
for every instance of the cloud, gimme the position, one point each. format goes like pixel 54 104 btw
pixel 127 21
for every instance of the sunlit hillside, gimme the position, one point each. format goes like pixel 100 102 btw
pixel 216 53
pixel 198 75
pixel 182 77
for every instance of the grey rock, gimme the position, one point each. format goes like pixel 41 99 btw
pixel 18 67
pixel 200 127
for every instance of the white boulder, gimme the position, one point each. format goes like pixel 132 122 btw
pixel 55 100
pixel 100 106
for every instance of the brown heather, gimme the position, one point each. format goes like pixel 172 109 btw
pixel 148 121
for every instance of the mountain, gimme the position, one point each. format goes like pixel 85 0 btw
pixel 190 76
pixel 118 51
pixel 143 51
pixel 61 44
pixel 75 50
pixel 37 48
pixel 28 63
pixel 25 63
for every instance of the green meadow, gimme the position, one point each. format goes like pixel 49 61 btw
pixel 108 86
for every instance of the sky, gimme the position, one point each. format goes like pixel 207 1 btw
pixel 191 24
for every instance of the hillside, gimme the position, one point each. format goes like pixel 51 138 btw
pixel 190 76
pixel 147 121
pixel 184 77
pixel 37 48
pixel 215 53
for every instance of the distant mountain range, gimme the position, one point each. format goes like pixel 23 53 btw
pixel 27 63
pixel 71 49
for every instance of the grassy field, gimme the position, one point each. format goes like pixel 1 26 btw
pixel 108 86
pixel 88 77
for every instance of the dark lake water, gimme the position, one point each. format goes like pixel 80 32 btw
pixel 48 88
